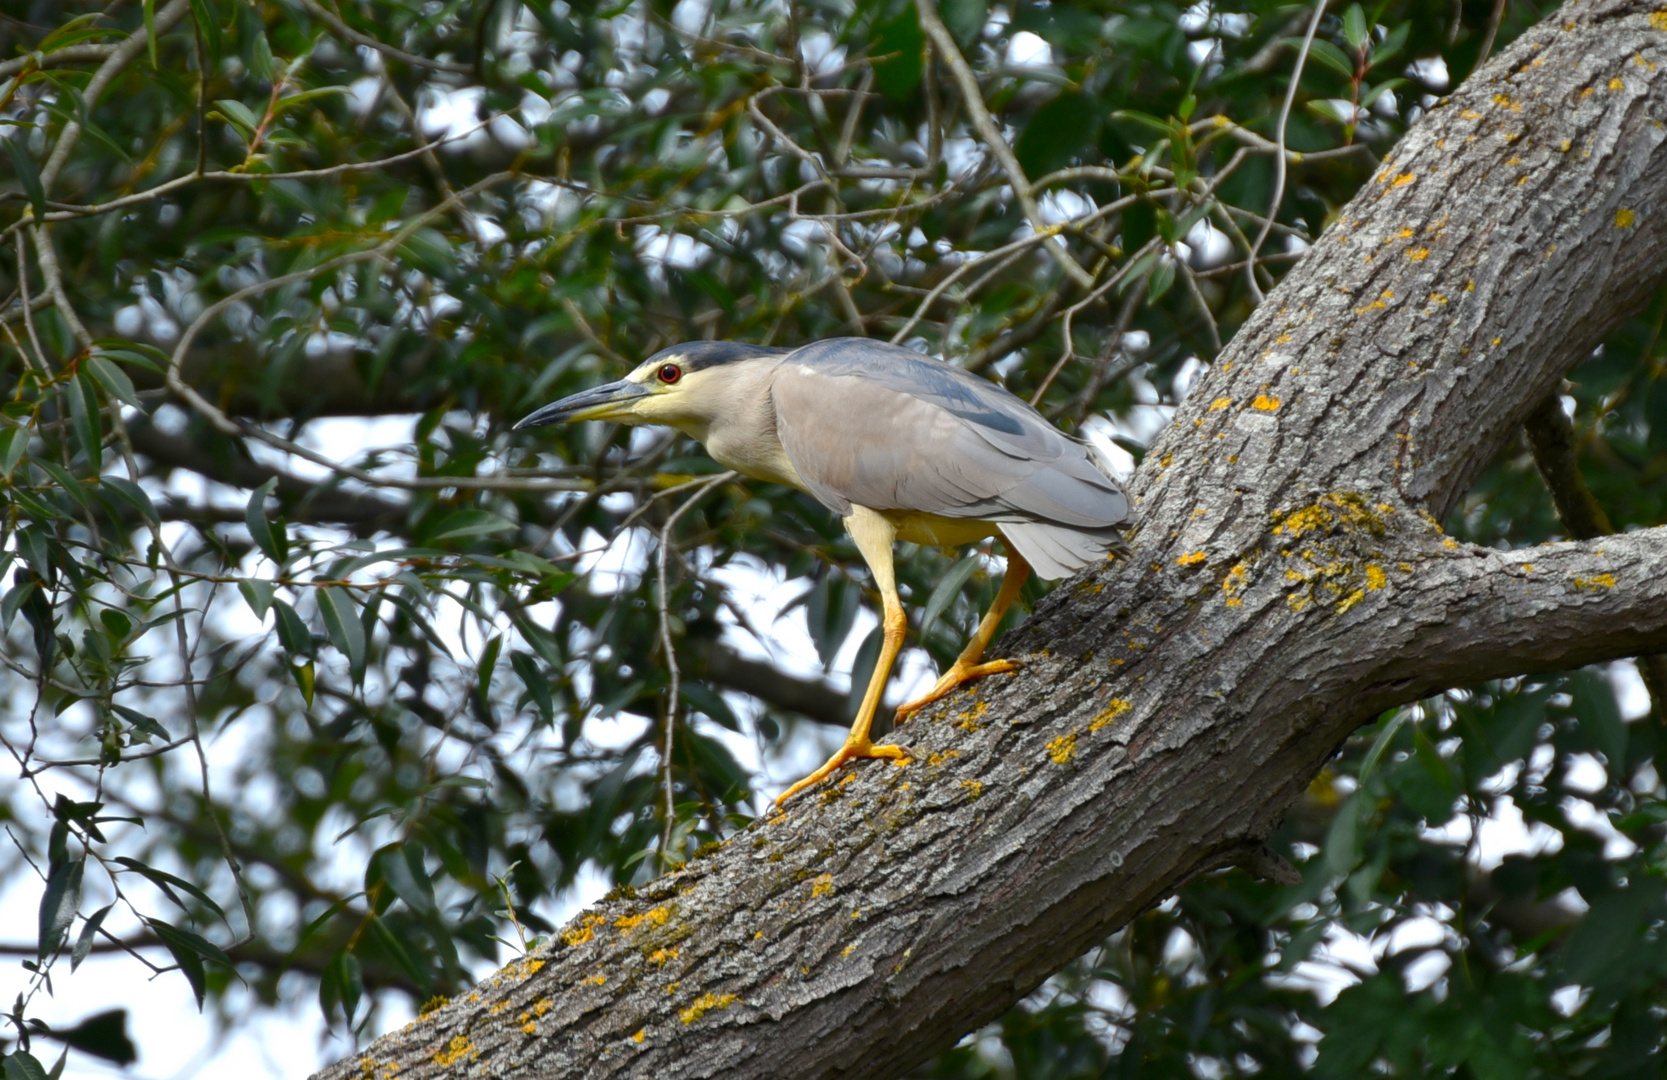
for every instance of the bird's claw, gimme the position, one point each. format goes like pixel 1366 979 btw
pixel 851 751
pixel 957 674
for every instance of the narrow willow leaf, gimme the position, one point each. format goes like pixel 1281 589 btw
pixel 113 379
pixel 88 935
pixel 27 175
pixel 341 623
pixel 59 904
pixel 260 527
pixel 945 593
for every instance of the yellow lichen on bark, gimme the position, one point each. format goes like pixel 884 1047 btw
pixel 1114 708
pixel 705 1003
pixel 1063 749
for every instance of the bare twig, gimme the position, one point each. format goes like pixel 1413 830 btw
pixel 973 98
pixel 1279 154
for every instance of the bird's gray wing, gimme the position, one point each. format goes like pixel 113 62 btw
pixel 880 426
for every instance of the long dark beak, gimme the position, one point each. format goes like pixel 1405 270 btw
pixel 610 401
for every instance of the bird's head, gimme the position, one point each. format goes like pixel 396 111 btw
pixel 685 386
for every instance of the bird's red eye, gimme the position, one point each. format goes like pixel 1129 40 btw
pixel 670 373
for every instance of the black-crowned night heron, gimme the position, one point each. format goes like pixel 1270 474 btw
pixel 901 447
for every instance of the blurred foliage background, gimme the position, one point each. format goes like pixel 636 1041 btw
pixel 319 683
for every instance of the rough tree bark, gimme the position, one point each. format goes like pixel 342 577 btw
pixel 1288 582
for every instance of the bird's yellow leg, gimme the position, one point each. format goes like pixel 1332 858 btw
pixel 967 666
pixel 874 535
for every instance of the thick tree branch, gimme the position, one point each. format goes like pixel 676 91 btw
pixel 1288 581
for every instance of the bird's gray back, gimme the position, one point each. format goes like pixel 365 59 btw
pixel 877 425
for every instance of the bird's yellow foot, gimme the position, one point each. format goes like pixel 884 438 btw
pixel 851 751
pixel 957 674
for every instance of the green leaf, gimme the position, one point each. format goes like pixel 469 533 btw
pixel 14 442
pixel 27 175
pixel 258 595
pixel 168 882
pixel 113 379
pixel 150 29
pixel 84 411
pixel 1063 132
pixel 483 670
pixel 238 115
pixel 1327 54
pixel 260 526
pixel 23 1066
pixel 134 495
pixel 535 682
pixel 89 934
pixel 946 592
pixel 143 723
pixel 213 39
pixel 394 947
pixel 189 950
pixel 341 623
pixel 1160 280
pixel 1390 46
pixel 403 870
pixel 293 634
pixel 260 57
pixel 1354 27
pixel 901 45
pixel 59 903
pixel 965 19
pixel 472 523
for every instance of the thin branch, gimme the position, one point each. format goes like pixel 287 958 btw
pixel 1279 154
pixel 973 97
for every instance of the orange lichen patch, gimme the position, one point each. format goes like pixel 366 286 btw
pixel 596 980
pixel 541 1006
pixel 524 968
pixel 1191 560
pixel 1449 543
pixel 1658 20
pixel 968 721
pixel 433 1005
pixel 1616 83
pixel 1350 601
pixel 1265 403
pixel 455 1051
pixel 1403 180
pixel 1470 286
pixel 704 1004
pixel 1470 114
pixel 1114 708
pixel 1375 577
pixel 1643 63
pixel 529 1028
pixel 642 1033
pixel 1282 339
pixel 1437 298
pixel 1418 254
pixel 1063 749
pixel 657 917
pixel 1624 218
pixel 497 1008
pixel 975 788
pixel 1220 403
pixel 1234 582
pixel 1596 581
pixel 1588 92
pixel 586 930
pixel 824 885
pixel 940 758
pixel 660 956
pixel 672 987
pixel 849 949
pixel 1504 101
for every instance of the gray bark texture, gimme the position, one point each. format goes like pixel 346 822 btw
pixel 1289 581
